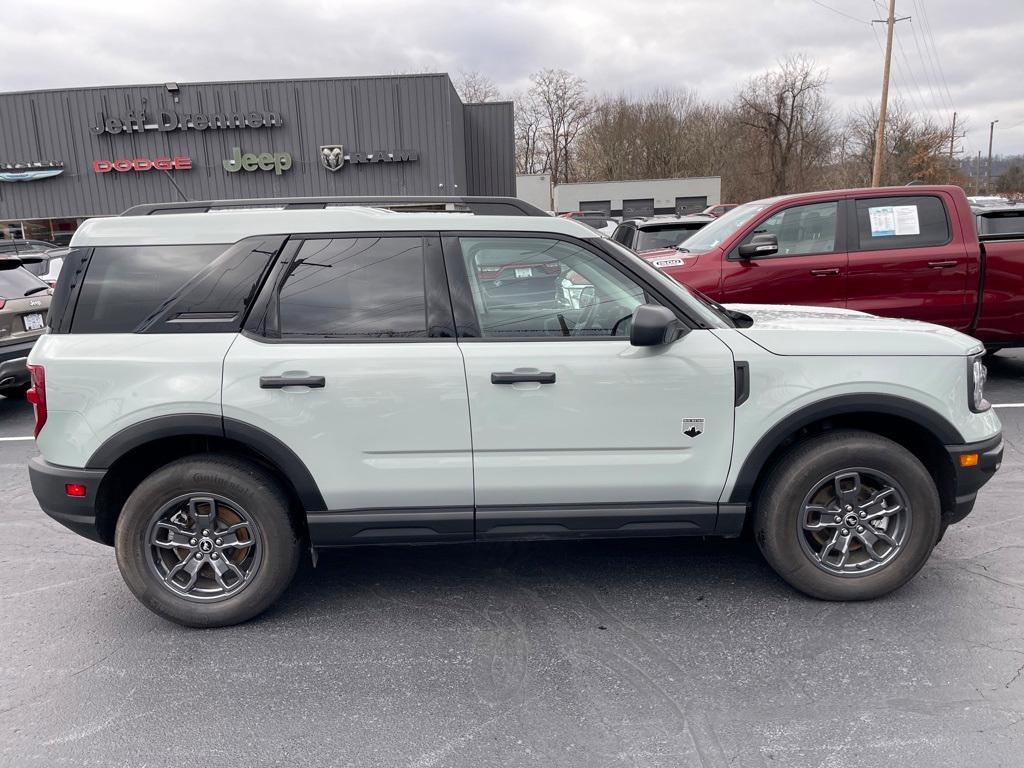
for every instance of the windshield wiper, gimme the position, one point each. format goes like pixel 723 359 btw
pixel 37 290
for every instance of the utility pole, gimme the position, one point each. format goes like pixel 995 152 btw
pixel 977 175
pixel 890 22
pixel 988 180
pixel 952 142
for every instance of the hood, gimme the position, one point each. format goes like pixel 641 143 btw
pixel 797 330
pixel 669 258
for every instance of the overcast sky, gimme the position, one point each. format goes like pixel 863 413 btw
pixel 951 55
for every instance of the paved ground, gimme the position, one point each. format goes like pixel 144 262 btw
pixel 644 654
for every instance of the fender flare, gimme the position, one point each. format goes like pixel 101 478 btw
pixel 888 405
pixel 180 425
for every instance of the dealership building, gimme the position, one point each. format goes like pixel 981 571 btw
pixel 622 199
pixel 66 155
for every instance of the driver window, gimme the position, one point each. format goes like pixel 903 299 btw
pixel 802 229
pixel 527 287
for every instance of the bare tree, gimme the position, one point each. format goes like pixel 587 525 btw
pixel 531 150
pixel 560 98
pixel 786 123
pixel 475 88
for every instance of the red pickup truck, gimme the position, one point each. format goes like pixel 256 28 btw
pixel 909 252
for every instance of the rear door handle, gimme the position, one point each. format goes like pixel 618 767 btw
pixel 824 272
pixel 512 377
pixel 280 382
pixel 941 264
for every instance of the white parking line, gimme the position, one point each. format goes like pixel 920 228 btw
pixel 12 439
pixel 1008 405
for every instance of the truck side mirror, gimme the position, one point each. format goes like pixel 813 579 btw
pixel 764 244
pixel 654 325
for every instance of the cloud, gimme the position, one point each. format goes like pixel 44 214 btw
pixel 948 56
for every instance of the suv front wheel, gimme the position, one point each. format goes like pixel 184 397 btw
pixel 206 541
pixel 849 515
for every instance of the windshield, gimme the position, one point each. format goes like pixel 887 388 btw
pixel 666 235
pixel 16 283
pixel 720 229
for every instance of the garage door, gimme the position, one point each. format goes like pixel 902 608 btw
pixel 634 208
pixel 688 205
pixel 603 207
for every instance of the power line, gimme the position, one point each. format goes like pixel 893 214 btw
pixel 930 37
pixel 937 96
pixel 836 10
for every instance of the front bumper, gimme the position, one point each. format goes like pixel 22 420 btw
pixel 969 480
pixel 14 364
pixel 48 485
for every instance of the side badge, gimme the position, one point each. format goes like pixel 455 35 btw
pixel 693 427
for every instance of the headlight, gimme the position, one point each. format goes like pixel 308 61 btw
pixel 977 373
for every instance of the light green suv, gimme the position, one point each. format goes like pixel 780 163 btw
pixel 221 390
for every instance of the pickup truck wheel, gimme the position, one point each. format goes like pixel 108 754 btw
pixel 206 541
pixel 848 516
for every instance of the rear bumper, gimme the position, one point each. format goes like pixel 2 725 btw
pixel 77 514
pixel 969 480
pixel 14 364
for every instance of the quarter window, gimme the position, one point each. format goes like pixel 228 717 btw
pixel 542 288
pixel 901 222
pixel 355 287
pixel 802 229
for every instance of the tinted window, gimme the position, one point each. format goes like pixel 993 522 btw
pixel 125 285
pixel 1002 223
pixel 38 269
pixel 526 287
pixel 16 283
pixel 359 287
pixel 901 222
pixel 665 236
pixel 802 229
pixel 623 235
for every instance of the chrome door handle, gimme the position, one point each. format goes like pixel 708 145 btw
pixel 824 272
pixel 941 264
pixel 511 377
pixel 280 382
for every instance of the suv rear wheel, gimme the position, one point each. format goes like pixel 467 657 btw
pixel 206 541
pixel 848 516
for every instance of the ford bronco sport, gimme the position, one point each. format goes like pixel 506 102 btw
pixel 220 390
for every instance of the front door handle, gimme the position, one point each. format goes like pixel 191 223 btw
pixel 941 264
pixel 824 272
pixel 513 377
pixel 280 382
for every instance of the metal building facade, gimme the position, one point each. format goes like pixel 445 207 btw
pixel 95 151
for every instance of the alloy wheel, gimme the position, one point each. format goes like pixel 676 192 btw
pixel 854 521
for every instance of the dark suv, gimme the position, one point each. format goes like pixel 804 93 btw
pixel 24 303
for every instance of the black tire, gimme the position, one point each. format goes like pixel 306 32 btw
pixel 237 481
pixel 780 511
pixel 15 393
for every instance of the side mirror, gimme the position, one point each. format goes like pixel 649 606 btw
pixel 764 244
pixel 653 326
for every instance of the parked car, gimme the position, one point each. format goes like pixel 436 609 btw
pixel 603 224
pixel 22 247
pixel 908 252
pixel 999 220
pixel 718 210
pixel 658 232
pixel 24 303
pixel 250 386
pixel 49 265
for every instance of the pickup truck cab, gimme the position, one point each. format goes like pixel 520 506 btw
pixel 907 252
pixel 220 392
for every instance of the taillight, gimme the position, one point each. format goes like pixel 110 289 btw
pixel 37 395
pixel 2 302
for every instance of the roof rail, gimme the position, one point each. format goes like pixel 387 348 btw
pixel 481 206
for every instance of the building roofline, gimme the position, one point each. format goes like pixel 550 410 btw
pixel 622 181
pixel 233 82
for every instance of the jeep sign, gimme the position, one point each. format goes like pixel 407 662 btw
pixel 265 161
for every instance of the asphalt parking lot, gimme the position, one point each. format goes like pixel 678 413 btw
pixel 658 653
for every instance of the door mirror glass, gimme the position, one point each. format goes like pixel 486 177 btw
pixel 653 326
pixel 764 244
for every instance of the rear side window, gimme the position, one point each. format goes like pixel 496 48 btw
pixel 355 287
pixel 171 288
pixel 901 222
